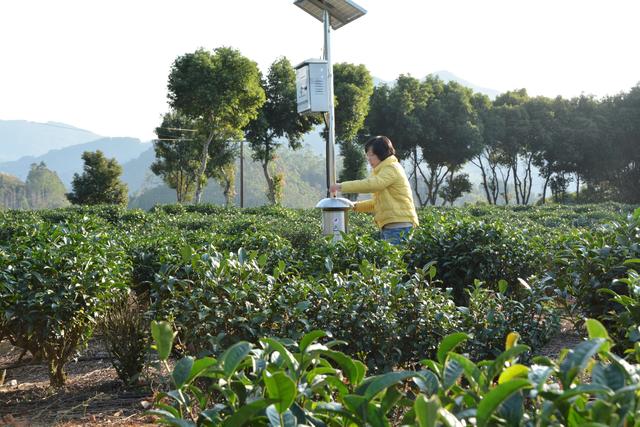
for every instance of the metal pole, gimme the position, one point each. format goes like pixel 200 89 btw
pixel 331 164
pixel 242 173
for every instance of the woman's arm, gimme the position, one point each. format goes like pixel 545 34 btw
pixel 371 184
pixel 364 206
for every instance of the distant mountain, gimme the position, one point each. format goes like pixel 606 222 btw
pixel 20 138
pixel 67 161
pixel 137 173
pixel 448 76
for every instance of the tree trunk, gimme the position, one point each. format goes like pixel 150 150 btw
pixel 505 185
pixel 516 180
pixel 528 181
pixel 415 175
pixel 271 191
pixel 227 192
pixel 203 168
pixel 57 376
pixel 544 188
pixel 485 184
pixel 577 187
pixel 451 187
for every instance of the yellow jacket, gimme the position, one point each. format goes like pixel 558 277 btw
pixel 392 197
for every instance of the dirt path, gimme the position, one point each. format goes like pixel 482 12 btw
pixel 93 394
pixel 567 337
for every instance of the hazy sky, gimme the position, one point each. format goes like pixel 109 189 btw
pixel 103 65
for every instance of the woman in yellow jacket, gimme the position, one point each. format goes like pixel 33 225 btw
pixel 392 202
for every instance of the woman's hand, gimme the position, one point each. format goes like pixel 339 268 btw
pixel 334 188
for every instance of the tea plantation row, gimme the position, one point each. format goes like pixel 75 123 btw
pixel 223 276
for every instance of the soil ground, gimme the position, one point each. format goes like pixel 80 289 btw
pixel 94 395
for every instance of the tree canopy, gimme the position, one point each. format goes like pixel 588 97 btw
pixel 99 183
pixel 277 119
pixel 220 92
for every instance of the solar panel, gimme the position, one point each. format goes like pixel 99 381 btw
pixel 341 11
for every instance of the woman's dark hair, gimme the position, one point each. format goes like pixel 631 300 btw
pixel 381 146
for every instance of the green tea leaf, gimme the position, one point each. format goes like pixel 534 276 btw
pixel 163 336
pixel 375 385
pixel 233 356
pixel 449 343
pixel 513 371
pixel 182 371
pixel 452 372
pixel 495 397
pixel 426 410
pixel 309 338
pixel 597 330
pixel 280 388
pixel 242 255
pixel 246 413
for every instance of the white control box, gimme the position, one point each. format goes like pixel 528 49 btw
pixel 312 86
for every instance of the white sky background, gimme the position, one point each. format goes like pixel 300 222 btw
pixel 103 65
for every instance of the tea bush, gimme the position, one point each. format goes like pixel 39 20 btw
pixel 282 383
pixel 56 281
pixel 125 331
pixel 223 275
pixel 589 261
pixel 465 249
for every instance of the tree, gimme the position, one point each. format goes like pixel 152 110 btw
pixel 487 159
pixel 278 118
pixel 540 135
pixel 221 92
pixel 394 112
pixel 45 190
pixel 626 142
pixel 13 193
pixel 177 154
pixel 514 120
pixel 354 164
pixel 455 188
pixel 450 133
pixel 353 90
pixel 99 183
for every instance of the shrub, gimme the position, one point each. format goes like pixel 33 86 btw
pixel 465 249
pixel 125 329
pixel 279 382
pixel 589 261
pixel 527 309
pixel 57 281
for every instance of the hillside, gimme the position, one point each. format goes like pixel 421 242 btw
pixel 304 182
pixel 67 161
pixel 20 138
pixel 42 190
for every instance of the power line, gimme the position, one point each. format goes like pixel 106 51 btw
pixel 62 127
pixel 180 129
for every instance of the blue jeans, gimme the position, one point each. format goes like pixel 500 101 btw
pixel 395 236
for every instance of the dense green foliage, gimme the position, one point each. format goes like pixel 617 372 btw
pixel 42 190
pixel 438 126
pixel 177 151
pixel 13 194
pixel 224 275
pixel 99 183
pixel 220 92
pixel 56 281
pixel 278 118
pixel 287 383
